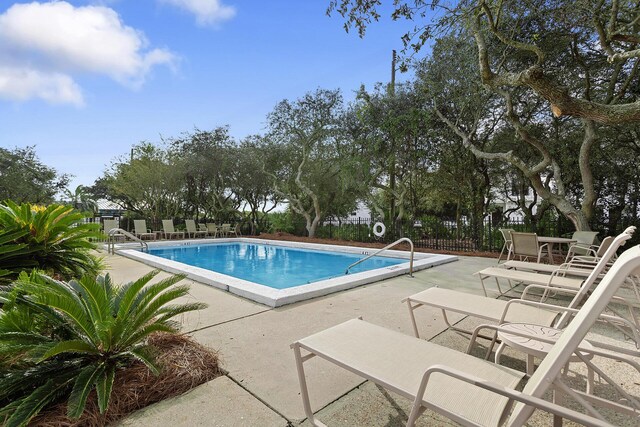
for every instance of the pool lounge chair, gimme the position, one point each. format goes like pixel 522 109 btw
pixel 461 387
pixel 227 230
pixel 192 231
pixel 527 277
pixel 501 311
pixel 111 224
pixel 214 230
pixel 141 230
pixel 169 232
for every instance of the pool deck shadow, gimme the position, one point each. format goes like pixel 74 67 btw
pixel 261 386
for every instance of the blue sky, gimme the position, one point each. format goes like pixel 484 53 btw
pixel 85 80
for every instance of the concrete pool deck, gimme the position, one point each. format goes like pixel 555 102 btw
pixel 261 386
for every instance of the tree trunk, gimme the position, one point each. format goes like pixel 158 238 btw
pixel 312 225
pixel 577 217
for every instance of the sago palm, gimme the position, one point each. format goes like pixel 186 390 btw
pixel 63 339
pixel 53 238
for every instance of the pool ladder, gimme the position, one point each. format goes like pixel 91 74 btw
pixel 403 239
pixel 111 243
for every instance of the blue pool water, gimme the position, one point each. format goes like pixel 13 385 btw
pixel 274 266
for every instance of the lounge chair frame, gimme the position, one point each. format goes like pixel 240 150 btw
pixel 498 310
pixel 192 229
pixel 141 230
pixel 334 345
pixel 168 230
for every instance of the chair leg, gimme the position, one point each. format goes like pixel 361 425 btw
pixel 304 392
pixel 502 252
pixel 413 318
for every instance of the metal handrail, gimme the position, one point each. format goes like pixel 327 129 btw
pixel 403 239
pixel 111 244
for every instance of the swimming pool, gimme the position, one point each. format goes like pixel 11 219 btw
pixel 274 272
pixel 277 267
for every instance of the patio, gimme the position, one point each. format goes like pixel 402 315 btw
pixel 261 387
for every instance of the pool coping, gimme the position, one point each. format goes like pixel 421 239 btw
pixel 279 297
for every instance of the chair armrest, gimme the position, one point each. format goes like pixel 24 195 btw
pixel 536 402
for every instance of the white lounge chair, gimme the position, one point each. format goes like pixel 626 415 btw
pixel 109 224
pixel 141 230
pixel 463 388
pixel 500 311
pixel 527 277
pixel 112 224
pixel 192 231
pixel 227 230
pixel 169 232
pixel 213 229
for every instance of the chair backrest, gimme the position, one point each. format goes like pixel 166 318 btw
pixel 604 246
pixel 202 227
pixel 551 366
pixel 191 225
pixel 524 244
pixel 506 233
pixel 226 227
pixel 585 237
pixel 109 224
pixel 211 227
pixel 140 226
pixel 588 284
pixel 167 226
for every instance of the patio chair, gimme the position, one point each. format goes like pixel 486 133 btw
pixel 515 310
pixel 506 235
pixel 169 232
pixel 227 230
pixel 525 246
pixel 578 265
pixel 192 231
pixel 213 229
pixel 203 227
pixel 461 387
pixel 141 230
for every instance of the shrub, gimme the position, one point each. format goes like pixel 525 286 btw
pixel 52 238
pixel 61 340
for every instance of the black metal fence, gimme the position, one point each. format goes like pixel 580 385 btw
pixel 448 235
pixel 428 232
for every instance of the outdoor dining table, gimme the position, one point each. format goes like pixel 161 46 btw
pixel 552 241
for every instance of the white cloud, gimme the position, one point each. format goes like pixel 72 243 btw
pixel 21 84
pixel 52 41
pixel 206 11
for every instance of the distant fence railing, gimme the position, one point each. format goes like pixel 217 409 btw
pixel 448 235
pixel 426 233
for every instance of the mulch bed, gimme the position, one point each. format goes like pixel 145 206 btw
pixel 185 365
pixel 403 246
